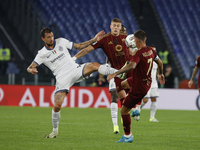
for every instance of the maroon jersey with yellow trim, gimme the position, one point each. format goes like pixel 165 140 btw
pixel 197 64
pixel 115 49
pixel 142 73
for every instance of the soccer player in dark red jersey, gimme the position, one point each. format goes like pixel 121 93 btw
pixel 141 64
pixel 113 45
pixel 114 94
pixel 195 71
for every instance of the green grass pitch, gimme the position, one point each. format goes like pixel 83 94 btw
pixel 24 128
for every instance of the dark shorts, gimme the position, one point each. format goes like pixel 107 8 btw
pixel 118 81
pixel 130 81
pixel 132 99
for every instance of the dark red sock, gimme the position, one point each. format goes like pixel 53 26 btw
pixel 126 124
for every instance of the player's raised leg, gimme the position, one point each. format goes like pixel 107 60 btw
pixel 58 100
pixel 102 69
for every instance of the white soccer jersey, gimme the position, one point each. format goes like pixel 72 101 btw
pixel 60 62
pixel 58 59
pixel 154 83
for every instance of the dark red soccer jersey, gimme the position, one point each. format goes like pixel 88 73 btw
pixel 142 73
pixel 197 64
pixel 115 49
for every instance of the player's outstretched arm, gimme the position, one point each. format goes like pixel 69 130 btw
pixel 161 77
pixel 83 52
pixel 32 68
pixel 192 77
pixel 127 68
pixel 97 37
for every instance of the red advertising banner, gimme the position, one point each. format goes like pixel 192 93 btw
pixel 43 96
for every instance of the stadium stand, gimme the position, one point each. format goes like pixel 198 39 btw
pixel 80 20
pixel 180 19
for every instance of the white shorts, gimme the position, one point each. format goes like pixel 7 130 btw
pixel 64 82
pixel 153 92
pixel 112 85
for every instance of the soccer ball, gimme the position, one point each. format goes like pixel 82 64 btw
pixel 130 41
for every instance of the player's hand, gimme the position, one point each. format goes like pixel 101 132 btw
pixel 99 35
pixel 161 79
pixel 110 77
pixel 190 83
pixel 33 71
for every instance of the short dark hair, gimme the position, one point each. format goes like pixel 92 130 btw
pixel 45 30
pixel 123 30
pixel 140 35
pixel 116 20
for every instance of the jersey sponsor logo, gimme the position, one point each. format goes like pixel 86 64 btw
pixel 110 42
pixel 118 48
pixel 60 56
pixel 60 48
pixel 120 53
pixel 54 52
pixel 78 66
pixel 48 56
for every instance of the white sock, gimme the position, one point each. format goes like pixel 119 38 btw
pixel 55 120
pixel 142 104
pixel 106 70
pixel 127 136
pixel 114 112
pixel 153 109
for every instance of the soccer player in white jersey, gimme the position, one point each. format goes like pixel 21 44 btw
pixel 55 55
pixel 152 93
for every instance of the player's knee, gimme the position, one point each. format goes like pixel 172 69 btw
pixel 57 107
pixel 124 85
pixel 123 112
pixel 145 100
pixel 94 65
pixel 115 97
pixel 153 99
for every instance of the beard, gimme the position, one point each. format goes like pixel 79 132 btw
pixel 49 45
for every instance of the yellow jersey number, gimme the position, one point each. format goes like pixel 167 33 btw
pixel 149 61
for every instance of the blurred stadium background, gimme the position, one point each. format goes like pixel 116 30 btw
pixel 172 25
